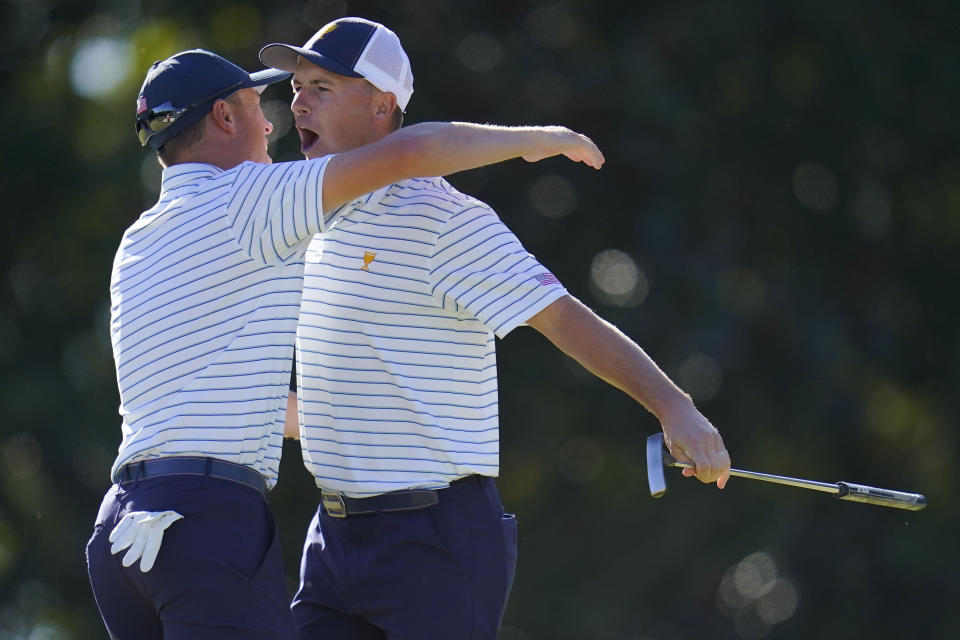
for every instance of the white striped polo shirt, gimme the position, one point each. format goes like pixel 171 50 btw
pixel 205 293
pixel 397 369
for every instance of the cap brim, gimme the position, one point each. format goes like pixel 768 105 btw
pixel 284 57
pixel 267 77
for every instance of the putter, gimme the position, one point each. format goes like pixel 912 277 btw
pixel 658 457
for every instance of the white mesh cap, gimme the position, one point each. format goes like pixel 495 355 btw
pixel 352 47
pixel 386 66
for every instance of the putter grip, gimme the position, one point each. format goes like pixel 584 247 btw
pixel 881 497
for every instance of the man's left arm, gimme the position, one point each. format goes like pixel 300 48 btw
pixel 610 355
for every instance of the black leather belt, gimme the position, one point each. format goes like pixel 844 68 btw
pixel 338 505
pixel 192 466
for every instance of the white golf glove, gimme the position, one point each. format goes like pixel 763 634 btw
pixel 142 531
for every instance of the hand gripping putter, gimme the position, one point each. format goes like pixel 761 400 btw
pixel 658 457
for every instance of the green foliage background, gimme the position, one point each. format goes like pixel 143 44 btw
pixel 786 177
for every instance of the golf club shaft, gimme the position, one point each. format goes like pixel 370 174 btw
pixel 842 490
pixel 826 487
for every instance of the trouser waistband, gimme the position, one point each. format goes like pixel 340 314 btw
pixel 338 505
pixel 192 466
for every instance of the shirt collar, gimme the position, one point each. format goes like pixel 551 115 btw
pixel 365 200
pixel 179 174
pixel 371 198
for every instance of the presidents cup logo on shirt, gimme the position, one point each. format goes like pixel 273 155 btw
pixel 368 257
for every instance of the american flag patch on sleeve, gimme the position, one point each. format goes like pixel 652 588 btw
pixel 546 278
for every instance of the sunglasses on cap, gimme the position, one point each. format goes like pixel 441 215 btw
pixel 153 121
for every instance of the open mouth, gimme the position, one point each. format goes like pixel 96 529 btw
pixel 308 139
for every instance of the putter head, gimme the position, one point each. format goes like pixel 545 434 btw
pixel 655 475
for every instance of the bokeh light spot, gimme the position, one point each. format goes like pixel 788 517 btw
pixel 815 186
pixel 480 52
pixel 757 595
pixel 700 376
pixel 552 196
pixel 616 279
pixel 100 65
pixel 779 603
pixel 754 575
pixel 22 456
pixel 893 414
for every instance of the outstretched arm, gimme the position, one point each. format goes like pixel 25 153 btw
pixel 607 353
pixel 441 148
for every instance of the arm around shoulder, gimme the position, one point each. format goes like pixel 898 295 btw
pixel 441 148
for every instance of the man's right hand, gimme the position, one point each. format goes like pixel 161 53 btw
pixel 560 140
pixel 691 438
pixel 610 355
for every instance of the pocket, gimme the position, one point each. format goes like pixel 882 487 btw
pixel 267 559
pixel 452 535
pixel 110 506
pixel 97 530
pixel 510 540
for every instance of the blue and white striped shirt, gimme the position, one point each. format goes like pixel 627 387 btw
pixel 205 293
pixel 402 300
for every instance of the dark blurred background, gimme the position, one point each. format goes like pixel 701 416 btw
pixel 778 224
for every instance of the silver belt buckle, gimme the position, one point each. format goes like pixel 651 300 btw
pixel 333 503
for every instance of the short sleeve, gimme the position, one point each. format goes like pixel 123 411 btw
pixel 480 265
pixel 276 208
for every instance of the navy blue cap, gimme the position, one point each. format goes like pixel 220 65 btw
pixel 355 48
pixel 196 79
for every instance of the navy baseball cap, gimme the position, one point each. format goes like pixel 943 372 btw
pixel 355 48
pixel 181 90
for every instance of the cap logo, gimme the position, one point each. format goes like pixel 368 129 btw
pixel 327 29
pixel 141 104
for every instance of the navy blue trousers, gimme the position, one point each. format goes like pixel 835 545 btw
pixel 436 573
pixel 219 573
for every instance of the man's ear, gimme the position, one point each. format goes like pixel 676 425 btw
pixel 383 105
pixel 223 117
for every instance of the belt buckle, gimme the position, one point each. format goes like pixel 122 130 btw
pixel 333 503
